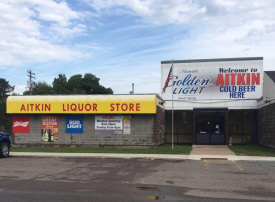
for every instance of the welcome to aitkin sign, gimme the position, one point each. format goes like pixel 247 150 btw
pixel 212 80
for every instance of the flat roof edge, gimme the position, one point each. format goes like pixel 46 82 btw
pixel 212 60
pixel 66 95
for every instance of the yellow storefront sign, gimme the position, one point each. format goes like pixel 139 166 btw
pixel 82 104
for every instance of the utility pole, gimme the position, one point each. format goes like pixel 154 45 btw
pixel 31 76
pixel 132 92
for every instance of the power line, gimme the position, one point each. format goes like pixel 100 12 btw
pixel 31 76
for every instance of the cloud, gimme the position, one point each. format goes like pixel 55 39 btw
pixel 31 31
pixel 218 13
pixel 67 31
pixel 216 28
pixel 48 10
pixel 153 11
pixel 19 89
pixel 185 11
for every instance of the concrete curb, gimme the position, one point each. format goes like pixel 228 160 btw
pixel 228 157
pixel 99 155
pixel 144 156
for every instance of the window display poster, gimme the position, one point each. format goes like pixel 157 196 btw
pixel 74 124
pixel 21 124
pixel 113 125
pixel 49 128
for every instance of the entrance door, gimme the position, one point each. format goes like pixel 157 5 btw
pixel 210 128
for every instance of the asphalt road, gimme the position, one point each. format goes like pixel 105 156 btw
pixel 88 179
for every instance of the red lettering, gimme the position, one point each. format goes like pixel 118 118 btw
pixel 220 80
pixel 255 78
pixel 88 107
pixel 80 107
pixel 117 104
pixel 23 108
pixel 112 107
pixel 63 106
pixel 31 107
pixel 108 117
pixel 48 107
pixel 124 107
pixel 94 107
pixel 241 79
pixel 233 78
pixel 131 108
pixel 227 79
pixel 138 107
pixel 73 107
pixel 248 79
pixel 37 107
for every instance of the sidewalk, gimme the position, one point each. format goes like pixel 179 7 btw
pixel 144 156
pixel 211 150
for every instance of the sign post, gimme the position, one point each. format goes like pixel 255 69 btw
pixel 172 106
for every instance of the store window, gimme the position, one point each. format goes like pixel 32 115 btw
pixel 183 126
pixel 242 126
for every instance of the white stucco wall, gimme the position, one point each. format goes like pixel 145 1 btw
pixel 230 104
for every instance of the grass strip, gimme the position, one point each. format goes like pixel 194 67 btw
pixel 164 149
pixel 252 150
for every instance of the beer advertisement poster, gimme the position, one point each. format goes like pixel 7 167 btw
pixel 49 128
pixel 74 124
pixel 212 80
pixel 21 124
pixel 120 125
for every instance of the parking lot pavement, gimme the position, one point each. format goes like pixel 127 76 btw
pixel 89 179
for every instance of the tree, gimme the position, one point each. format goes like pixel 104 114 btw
pixel 102 90
pixel 91 85
pixel 42 88
pixel 75 84
pixel 60 84
pixel 14 94
pixel 5 119
pixel 5 88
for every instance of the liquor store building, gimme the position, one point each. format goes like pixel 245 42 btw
pixel 87 120
pixel 213 100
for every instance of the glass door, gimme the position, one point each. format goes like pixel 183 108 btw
pixel 210 128
pixel 217 135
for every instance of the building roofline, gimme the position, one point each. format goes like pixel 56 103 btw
pixel 271 75
pixel 212 60
pixel 87 94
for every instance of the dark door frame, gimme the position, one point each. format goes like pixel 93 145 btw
pixel 221 111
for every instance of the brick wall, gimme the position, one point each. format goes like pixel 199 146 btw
pixel 266 126
pixel 159 126
pixel 146 130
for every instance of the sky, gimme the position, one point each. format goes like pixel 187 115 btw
pixel 124 41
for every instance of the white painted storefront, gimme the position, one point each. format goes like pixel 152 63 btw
pixel 212 99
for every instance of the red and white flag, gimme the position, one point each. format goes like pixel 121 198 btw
pixel 169 77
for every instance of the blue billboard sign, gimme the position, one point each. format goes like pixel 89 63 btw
pixel 74 124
